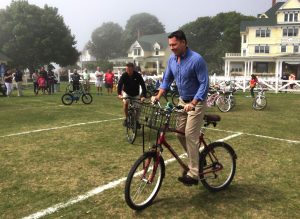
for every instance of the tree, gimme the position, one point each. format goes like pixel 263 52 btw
pixel 32 36
pixel 106 41
pixel 140 25
pixel 212 37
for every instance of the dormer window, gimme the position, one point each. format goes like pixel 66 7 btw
pixel 137 52
pixel 156 52
pixel 291 17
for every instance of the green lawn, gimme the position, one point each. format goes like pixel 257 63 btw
pixel 80 147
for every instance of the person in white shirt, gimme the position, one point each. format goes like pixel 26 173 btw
pixel 99 80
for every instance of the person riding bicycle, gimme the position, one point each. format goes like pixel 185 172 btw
pixel 129 86
pixel 189 70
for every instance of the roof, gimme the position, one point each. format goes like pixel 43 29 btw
pixel 148 41
pixel 270 21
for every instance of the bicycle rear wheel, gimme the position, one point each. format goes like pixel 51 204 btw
pixel 223 104
pixel 131 127
pixel 87 98
pixel 217 164
pixel 144 181
pixel 259 103
pixel 67 99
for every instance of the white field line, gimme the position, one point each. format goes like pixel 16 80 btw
pixel 59 127
pixel 94 191
pixel 260 136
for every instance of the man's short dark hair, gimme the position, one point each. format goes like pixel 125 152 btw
pixel 179 35
pixel 130 64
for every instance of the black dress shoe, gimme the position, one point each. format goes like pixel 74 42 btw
pixel 187 180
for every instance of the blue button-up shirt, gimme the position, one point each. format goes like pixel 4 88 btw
pixel 190 74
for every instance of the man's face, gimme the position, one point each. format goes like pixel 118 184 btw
pixel 178 47
pixel 129 70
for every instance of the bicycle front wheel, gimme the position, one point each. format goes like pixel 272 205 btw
pixel 131 128
pixel 217 164
pixel 67 99
pixel 259 103
pixel 223 104
pixel 144 180
pixel 87 98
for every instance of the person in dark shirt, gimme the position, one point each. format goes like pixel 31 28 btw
pixel 129 86
pixel 75 80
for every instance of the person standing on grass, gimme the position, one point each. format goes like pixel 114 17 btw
pixel 189 70
pixel 51 80
pixel 75 80
pixel 42 80
pixel 19 81
pixel 99 80
pixel 34 78
pixel 109 81
pixel 8 79
pixel 86 80
pixel 129 86
pixel 253 83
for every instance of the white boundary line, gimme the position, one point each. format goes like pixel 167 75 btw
pixel 95 191
pixel 59 127
pixel 260 136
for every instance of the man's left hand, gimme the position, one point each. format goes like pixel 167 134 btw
pixel 189 107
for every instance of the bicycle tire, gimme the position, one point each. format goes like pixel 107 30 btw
pixel 131 128
pixel 139 192
pixel 87 98
pixel 232 101
pixel 217 166
pixel 223 104
pixel 259 103
pixel 67 99
pixel 175 98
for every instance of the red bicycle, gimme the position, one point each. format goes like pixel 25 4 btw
pixel 217 160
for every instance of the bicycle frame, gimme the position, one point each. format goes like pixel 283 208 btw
pixel 162 141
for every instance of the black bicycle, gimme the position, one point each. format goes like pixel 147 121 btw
pixel 132 124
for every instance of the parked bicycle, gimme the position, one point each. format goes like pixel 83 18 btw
pixel 214 98
pixel 70 97
pixel 217 161
pixel 172 93
pixel 260 101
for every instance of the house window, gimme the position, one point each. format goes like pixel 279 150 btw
pixel 261 67
pixel 137 52
pixel 156 52
pixel 244 38
pixel 262 49
pixel 244 52
pixel 283 48
pixel 290 32
pixel 296 48
pixel 291 17
pixel 263 33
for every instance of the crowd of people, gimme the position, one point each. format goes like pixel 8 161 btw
pixel 44 81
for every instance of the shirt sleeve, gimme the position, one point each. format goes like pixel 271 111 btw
pixel 142 83
pixel 168 77
pixel 120 85
pixel 202 76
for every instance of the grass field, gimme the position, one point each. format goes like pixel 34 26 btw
pixel 52 153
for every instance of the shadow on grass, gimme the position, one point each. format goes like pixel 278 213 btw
pixel 235 200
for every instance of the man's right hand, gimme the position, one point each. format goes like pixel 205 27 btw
pixel 154 99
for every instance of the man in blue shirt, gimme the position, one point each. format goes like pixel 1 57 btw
pixel 189 70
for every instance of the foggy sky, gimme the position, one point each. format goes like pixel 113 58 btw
pixel 84 16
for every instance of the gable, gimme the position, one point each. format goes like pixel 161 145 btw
pixel 290 4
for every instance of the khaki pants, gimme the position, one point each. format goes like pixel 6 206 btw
pixel 20 88
pixel 191 123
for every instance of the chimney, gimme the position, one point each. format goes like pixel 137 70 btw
pixel 273 2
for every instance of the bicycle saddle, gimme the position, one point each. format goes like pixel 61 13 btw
pixel 211 119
